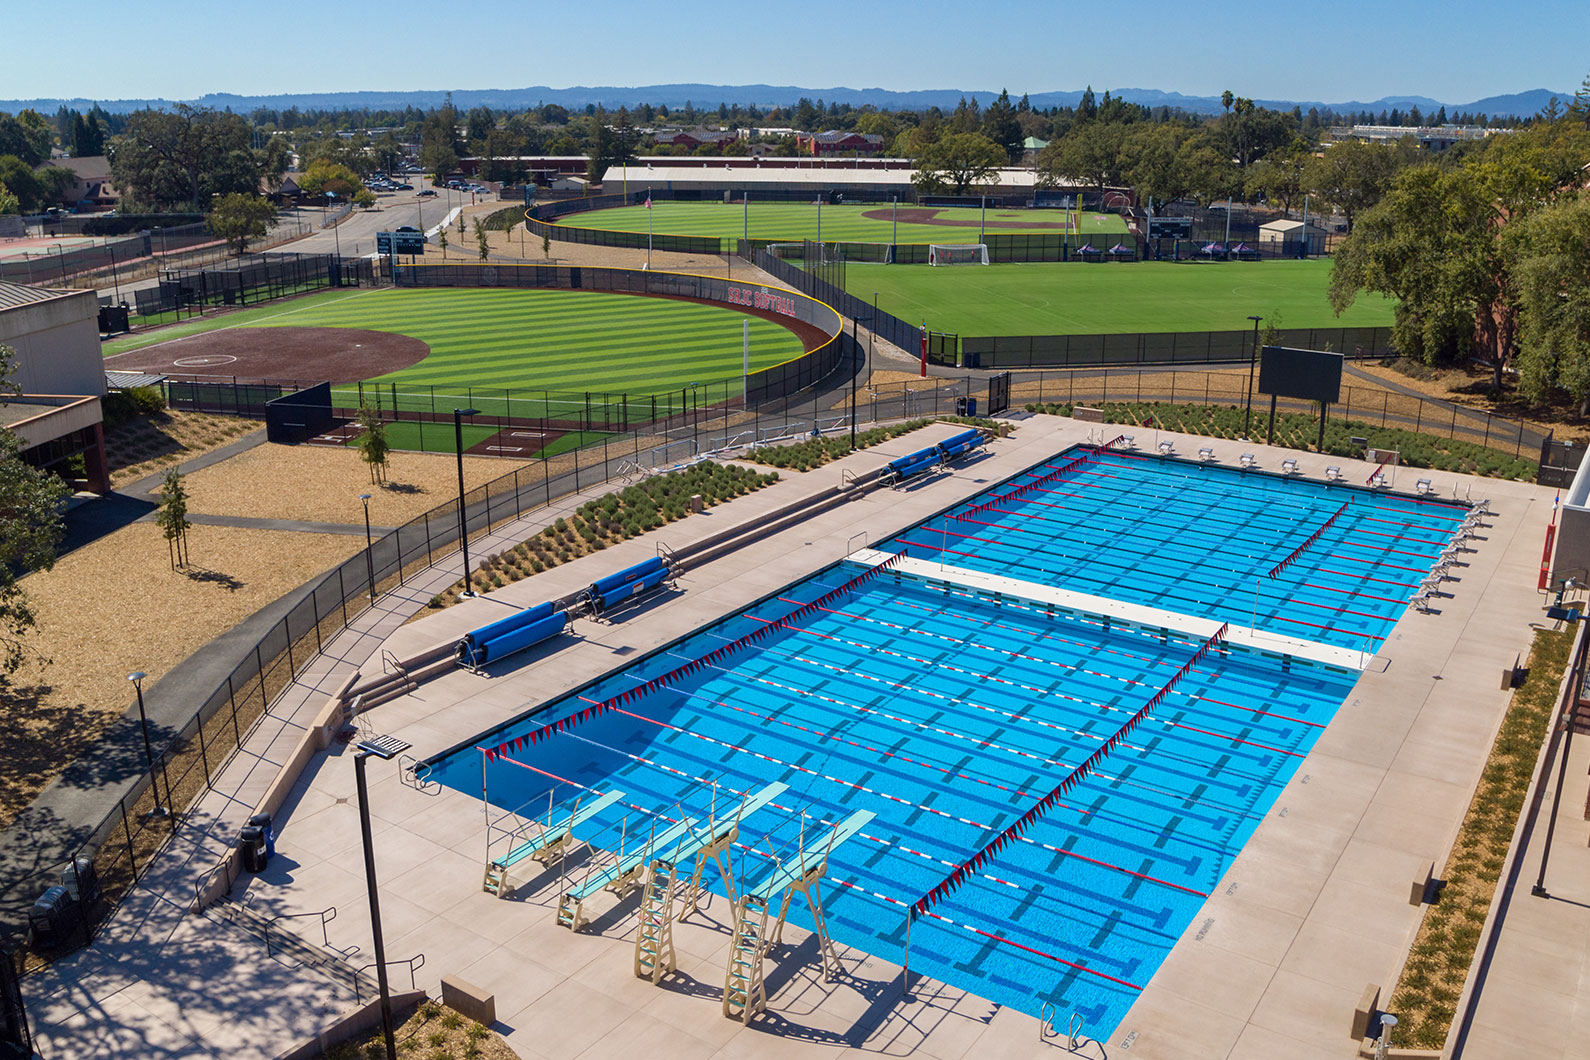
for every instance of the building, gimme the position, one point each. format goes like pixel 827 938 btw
pixel 1435 138
pixel 867 180
pixel 694 138
pixel 1030 148
pixel 1289 235
pixel 58 416
pixel 838 143
pixel 90 188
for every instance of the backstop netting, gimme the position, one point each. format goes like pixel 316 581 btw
pixel 958 254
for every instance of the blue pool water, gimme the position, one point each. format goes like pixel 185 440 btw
pixel 948 713
pixel 1201 540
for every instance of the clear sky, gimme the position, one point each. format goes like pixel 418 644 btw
pixel 1452 50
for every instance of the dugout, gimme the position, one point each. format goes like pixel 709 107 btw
pixel 298 417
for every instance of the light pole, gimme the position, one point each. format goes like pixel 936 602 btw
pixel 463 523
pixel 383 749
pixel 1252 360
pixel 369 557
pixel 336 234
pixel 137 678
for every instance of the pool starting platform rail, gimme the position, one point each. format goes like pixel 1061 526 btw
pixel 744 992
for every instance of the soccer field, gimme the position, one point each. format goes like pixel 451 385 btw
pixel 854 222
pixel 572 341
pixel 1074 298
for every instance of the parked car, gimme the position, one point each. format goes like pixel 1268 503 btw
pixel 426 192
pixel 403 187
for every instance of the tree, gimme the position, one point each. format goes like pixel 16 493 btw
pixel 29 187
pixel 183 156
pixel 1000 125
pixel 172 518
pixel 438 160
pixel 958 161
pixel 1550 254
pixel 482 240
pixel 1087 107
pixel 9 203
pixel 1351 175
pixel 373 445
pixel 546 244
pixel 274 158
pixel 26 135
pixel 237 218
pixel 1278 178
pixel 1155 169
pixel 31 525
pixel 324 178
pixel 441 241
pixel 1092 154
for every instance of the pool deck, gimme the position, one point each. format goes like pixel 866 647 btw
pixel 1315 907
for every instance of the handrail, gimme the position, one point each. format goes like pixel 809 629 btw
pixel 415 963
pixel 410 775
pixel 202 884
pixel 326 916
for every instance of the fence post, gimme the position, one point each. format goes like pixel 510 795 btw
pixel 259 665
pixel 287 631
pixel 203 754
pixel 132 857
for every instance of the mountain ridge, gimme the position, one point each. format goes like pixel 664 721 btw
pixel 1518 104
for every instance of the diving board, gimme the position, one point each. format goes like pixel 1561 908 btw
pixel 744 992
pixel 618 875
pixel 549 843
pixel 654 946
pixel 933 572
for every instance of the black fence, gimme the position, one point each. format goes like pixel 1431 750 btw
pixel 1194 347
pixel 768 384
pixel 243 281
pixel 223 397
pixel 1559 461
pixel 885 325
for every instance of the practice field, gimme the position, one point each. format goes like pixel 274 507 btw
pixel 1075 298
pixel 852 222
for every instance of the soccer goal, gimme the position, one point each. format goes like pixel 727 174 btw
pixel 958 254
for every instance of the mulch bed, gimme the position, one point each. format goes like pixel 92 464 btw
pixel 337 355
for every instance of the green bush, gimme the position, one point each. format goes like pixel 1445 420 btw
pixel 123 406
pixel 1296 430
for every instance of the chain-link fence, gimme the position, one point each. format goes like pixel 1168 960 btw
pixel 242 281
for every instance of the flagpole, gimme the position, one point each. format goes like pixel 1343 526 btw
pixel 648 233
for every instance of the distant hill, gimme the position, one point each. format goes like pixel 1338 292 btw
pixel 1518 104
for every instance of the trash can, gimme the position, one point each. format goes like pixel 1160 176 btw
pixel 81 881
pixel 263 822
pixel 251 845
pixel 51 919
pixel 971 406
pixel 960 406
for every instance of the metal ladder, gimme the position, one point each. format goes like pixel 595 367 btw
pixel 744 994
pixel 496 881
pixel 654 943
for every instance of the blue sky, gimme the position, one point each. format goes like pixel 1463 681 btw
pixel 1452 50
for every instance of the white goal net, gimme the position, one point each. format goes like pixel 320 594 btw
pixel 958 254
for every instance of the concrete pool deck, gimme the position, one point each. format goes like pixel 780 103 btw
pixel 1314 907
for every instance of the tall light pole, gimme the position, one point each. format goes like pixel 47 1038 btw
pixel 369 557
pixel 1253 359
pixel 384 748
pixel 463 523
pixel 137 678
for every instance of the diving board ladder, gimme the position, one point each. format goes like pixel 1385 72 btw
pixel 654 945
pixel 744 994
pixel 550 842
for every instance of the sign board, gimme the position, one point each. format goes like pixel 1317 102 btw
pixel 400 242
pixel 1170 228
pixel 1312 375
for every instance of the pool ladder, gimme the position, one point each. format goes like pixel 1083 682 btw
pixel 1046 1027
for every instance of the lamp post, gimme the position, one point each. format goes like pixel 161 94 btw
pixel 336 234
pixel 383 749
pixel 463 523
pixel 137 678
pixel 1252 360
pixel 369 557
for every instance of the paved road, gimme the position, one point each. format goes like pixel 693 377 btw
pixel 355 236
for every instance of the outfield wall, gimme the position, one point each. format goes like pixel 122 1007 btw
pixel 1192 347
pixel 767 384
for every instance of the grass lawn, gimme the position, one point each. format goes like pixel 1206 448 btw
pixel 216 321
pixel 573 341
pixel 798 220
pixel 1075 298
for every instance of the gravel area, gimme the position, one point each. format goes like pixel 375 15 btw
pixel 114 606
pixel 323 483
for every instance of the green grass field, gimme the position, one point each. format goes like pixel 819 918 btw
pixel 1074 298
pixel 486 340
pixel 793 221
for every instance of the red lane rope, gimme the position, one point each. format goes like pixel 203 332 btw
pixel 1308 542
pixel 1013 832
pixel 596 709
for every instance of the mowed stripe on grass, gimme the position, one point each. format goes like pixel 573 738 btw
pixel 573 341
pixel 1078 298
pixel 797 220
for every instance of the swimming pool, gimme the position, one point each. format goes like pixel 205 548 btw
pixel 949 711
